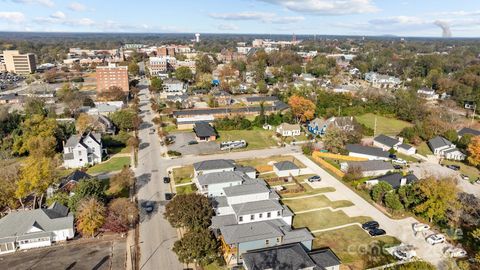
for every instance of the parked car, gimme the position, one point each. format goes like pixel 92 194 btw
pixel 315 178
pixel 477 181
pixel 420 227
pixel 456 252
pixel 192 142
pixel 400 161
pixel 370 225
pixel 465 177
pixel 453 167
pixel 435 239
pixel 392 156
pixel 148 206
pixel 166 180
pixel 376 232
pixel 169 196
pixel 404 253
pixel 397 167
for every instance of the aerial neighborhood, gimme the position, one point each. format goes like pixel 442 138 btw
pixel 256 152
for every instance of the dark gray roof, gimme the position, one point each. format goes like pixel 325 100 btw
pixel 245 169
pixel 261 98
pixel 464 131
pixel 221 177
pixel 394 179
pixel 73 141
pixel 245 189
pixel 278 106
pixel 385 140
pixel 253 231
pixel 214 164
pixel 76 176
pixel 256 207
pixel 204 129
pixel 219 201
pixel 221 221
pixel 367 150
pixel 281 257
pixel 324 257
pixel 371 165
pixel 285 166
pixel 405 146
pixel 439 142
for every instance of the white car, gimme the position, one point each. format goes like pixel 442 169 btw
pixel 279 188
pixel 404 255
pixel 420 227
pixel 455 252
pixel 435 239
pixel 400 161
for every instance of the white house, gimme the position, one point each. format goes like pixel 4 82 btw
pixel 80 151
pixel 212 184
pixel 288 130
pixel 370 153
pixel 369 168
pixel 213 166
pixel 26 229
pixel 427 93
pixel 286 168
pixel 173 87
pixel 382 81
pixel 386 143
pixel 442 147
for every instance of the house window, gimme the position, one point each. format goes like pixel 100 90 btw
pixel 79 152
pixel 278 213
pixel 267 242
pixel 278 240
pixel 252 217
pixel 240 218
pixel 269 214
pixel 260 215
pixel 81 159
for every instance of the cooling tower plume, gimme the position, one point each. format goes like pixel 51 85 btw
pixel 446 32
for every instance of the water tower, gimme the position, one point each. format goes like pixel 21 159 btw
pixel 197 37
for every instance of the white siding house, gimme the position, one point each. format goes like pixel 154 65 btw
pixel 288 130
pixel 80 151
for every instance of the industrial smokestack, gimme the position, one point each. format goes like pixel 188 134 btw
pixel 446 32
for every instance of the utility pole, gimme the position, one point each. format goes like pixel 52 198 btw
pixel 375 127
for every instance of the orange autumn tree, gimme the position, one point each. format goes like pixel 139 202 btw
pixel 302 108
pixel 474 151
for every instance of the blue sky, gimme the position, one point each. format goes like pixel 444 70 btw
pixel 342 17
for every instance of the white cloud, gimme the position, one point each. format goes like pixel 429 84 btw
pixel 12 17
pixel 227 27
pixel 58 15
pixel 47 3
pixel 327 7
pixel 265 17
pixel 399 20
pixel 75 6
pixel 59 20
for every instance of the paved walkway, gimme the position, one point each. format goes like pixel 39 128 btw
pixel 184 184
pixel 337 227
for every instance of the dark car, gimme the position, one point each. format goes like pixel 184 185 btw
pixel 166 180
pixel 397 167
pixel 370 225
pixel 169 196
pixel 192 142
pixel 376 232
pixel 392 156
pixel 148 206
pixel 453 167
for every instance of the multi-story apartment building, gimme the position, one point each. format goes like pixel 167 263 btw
pixel 82 150
pixel 159 65
pixel 19 63
pixel 112 75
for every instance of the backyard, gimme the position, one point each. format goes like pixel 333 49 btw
pixel 264 162
pixel 324 219
pixel 112 165
pixel 385 125
pixel 186 189
pixel 319 201
pixel 256 139
pixel 423 149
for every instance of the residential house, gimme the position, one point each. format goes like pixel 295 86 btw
pixel 212 166
pixel 370 153
pixel 396 180
pixel 212 184
pixel 223 98
pixel 255 100
pixel 319 127
pixel 104 125
pixel 462 132
pixel 291 256
pixel 67 184
pixel 442 147
pixel 387 143
pixel 427 93
pixel 11 99
pixel 184 123
pixel 26 229
pixel 250 217
pixel 288 130
pixel 369 168
pixel 82 150
pixel 248 170
pixel 204 132
pixel 286 168
pixel 382 81
pixel 173 87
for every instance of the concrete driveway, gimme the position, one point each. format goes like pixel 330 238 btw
pixel 401 229
pixel 202 148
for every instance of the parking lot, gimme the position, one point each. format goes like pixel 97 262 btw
pixel 181 145
pixel 89 254
pixel 425 169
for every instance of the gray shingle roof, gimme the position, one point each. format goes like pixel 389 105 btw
pixel 464 131
pixel 221 221
pixel 439 142
pixel 405 146
pixel 245 169
pixel 285 166
pixel 394 179
pixel 219 201
pixel 245 189
pixel 256 207
pixel 281 257
pixel 214 164
pixel 385 140
pixel 221 177
pixel 247 232
pixel 324 258
pixel 371 165
pixel 73 141
pixel 367 150
pixel 203 129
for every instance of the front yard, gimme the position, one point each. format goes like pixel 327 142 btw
pixel 186 189
pixel 183 174
pixel 424 150
pixel 256 138
pixel 385 125
pixel 324 219
pixel 264 162
pixel 111 165
pixel 319 201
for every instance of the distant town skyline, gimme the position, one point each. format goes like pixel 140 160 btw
pixel 428 18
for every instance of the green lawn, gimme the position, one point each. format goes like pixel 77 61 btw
pixel 405 157
pixel 469 171
pixel 118 150
pixel 302 137
pixel 385 125
pixel 183 174
pixel 351 243
pixel 324 219
pixel 256 139
pixel 309 191
pixel 214 266
pixel 424 150
pixel 113 164
pixel 186 189
pixel 255 162
pixel 315 202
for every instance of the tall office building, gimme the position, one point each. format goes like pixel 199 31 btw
pixel 112 75
pixel 19 63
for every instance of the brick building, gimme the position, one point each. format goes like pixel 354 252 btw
pixel 112 75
